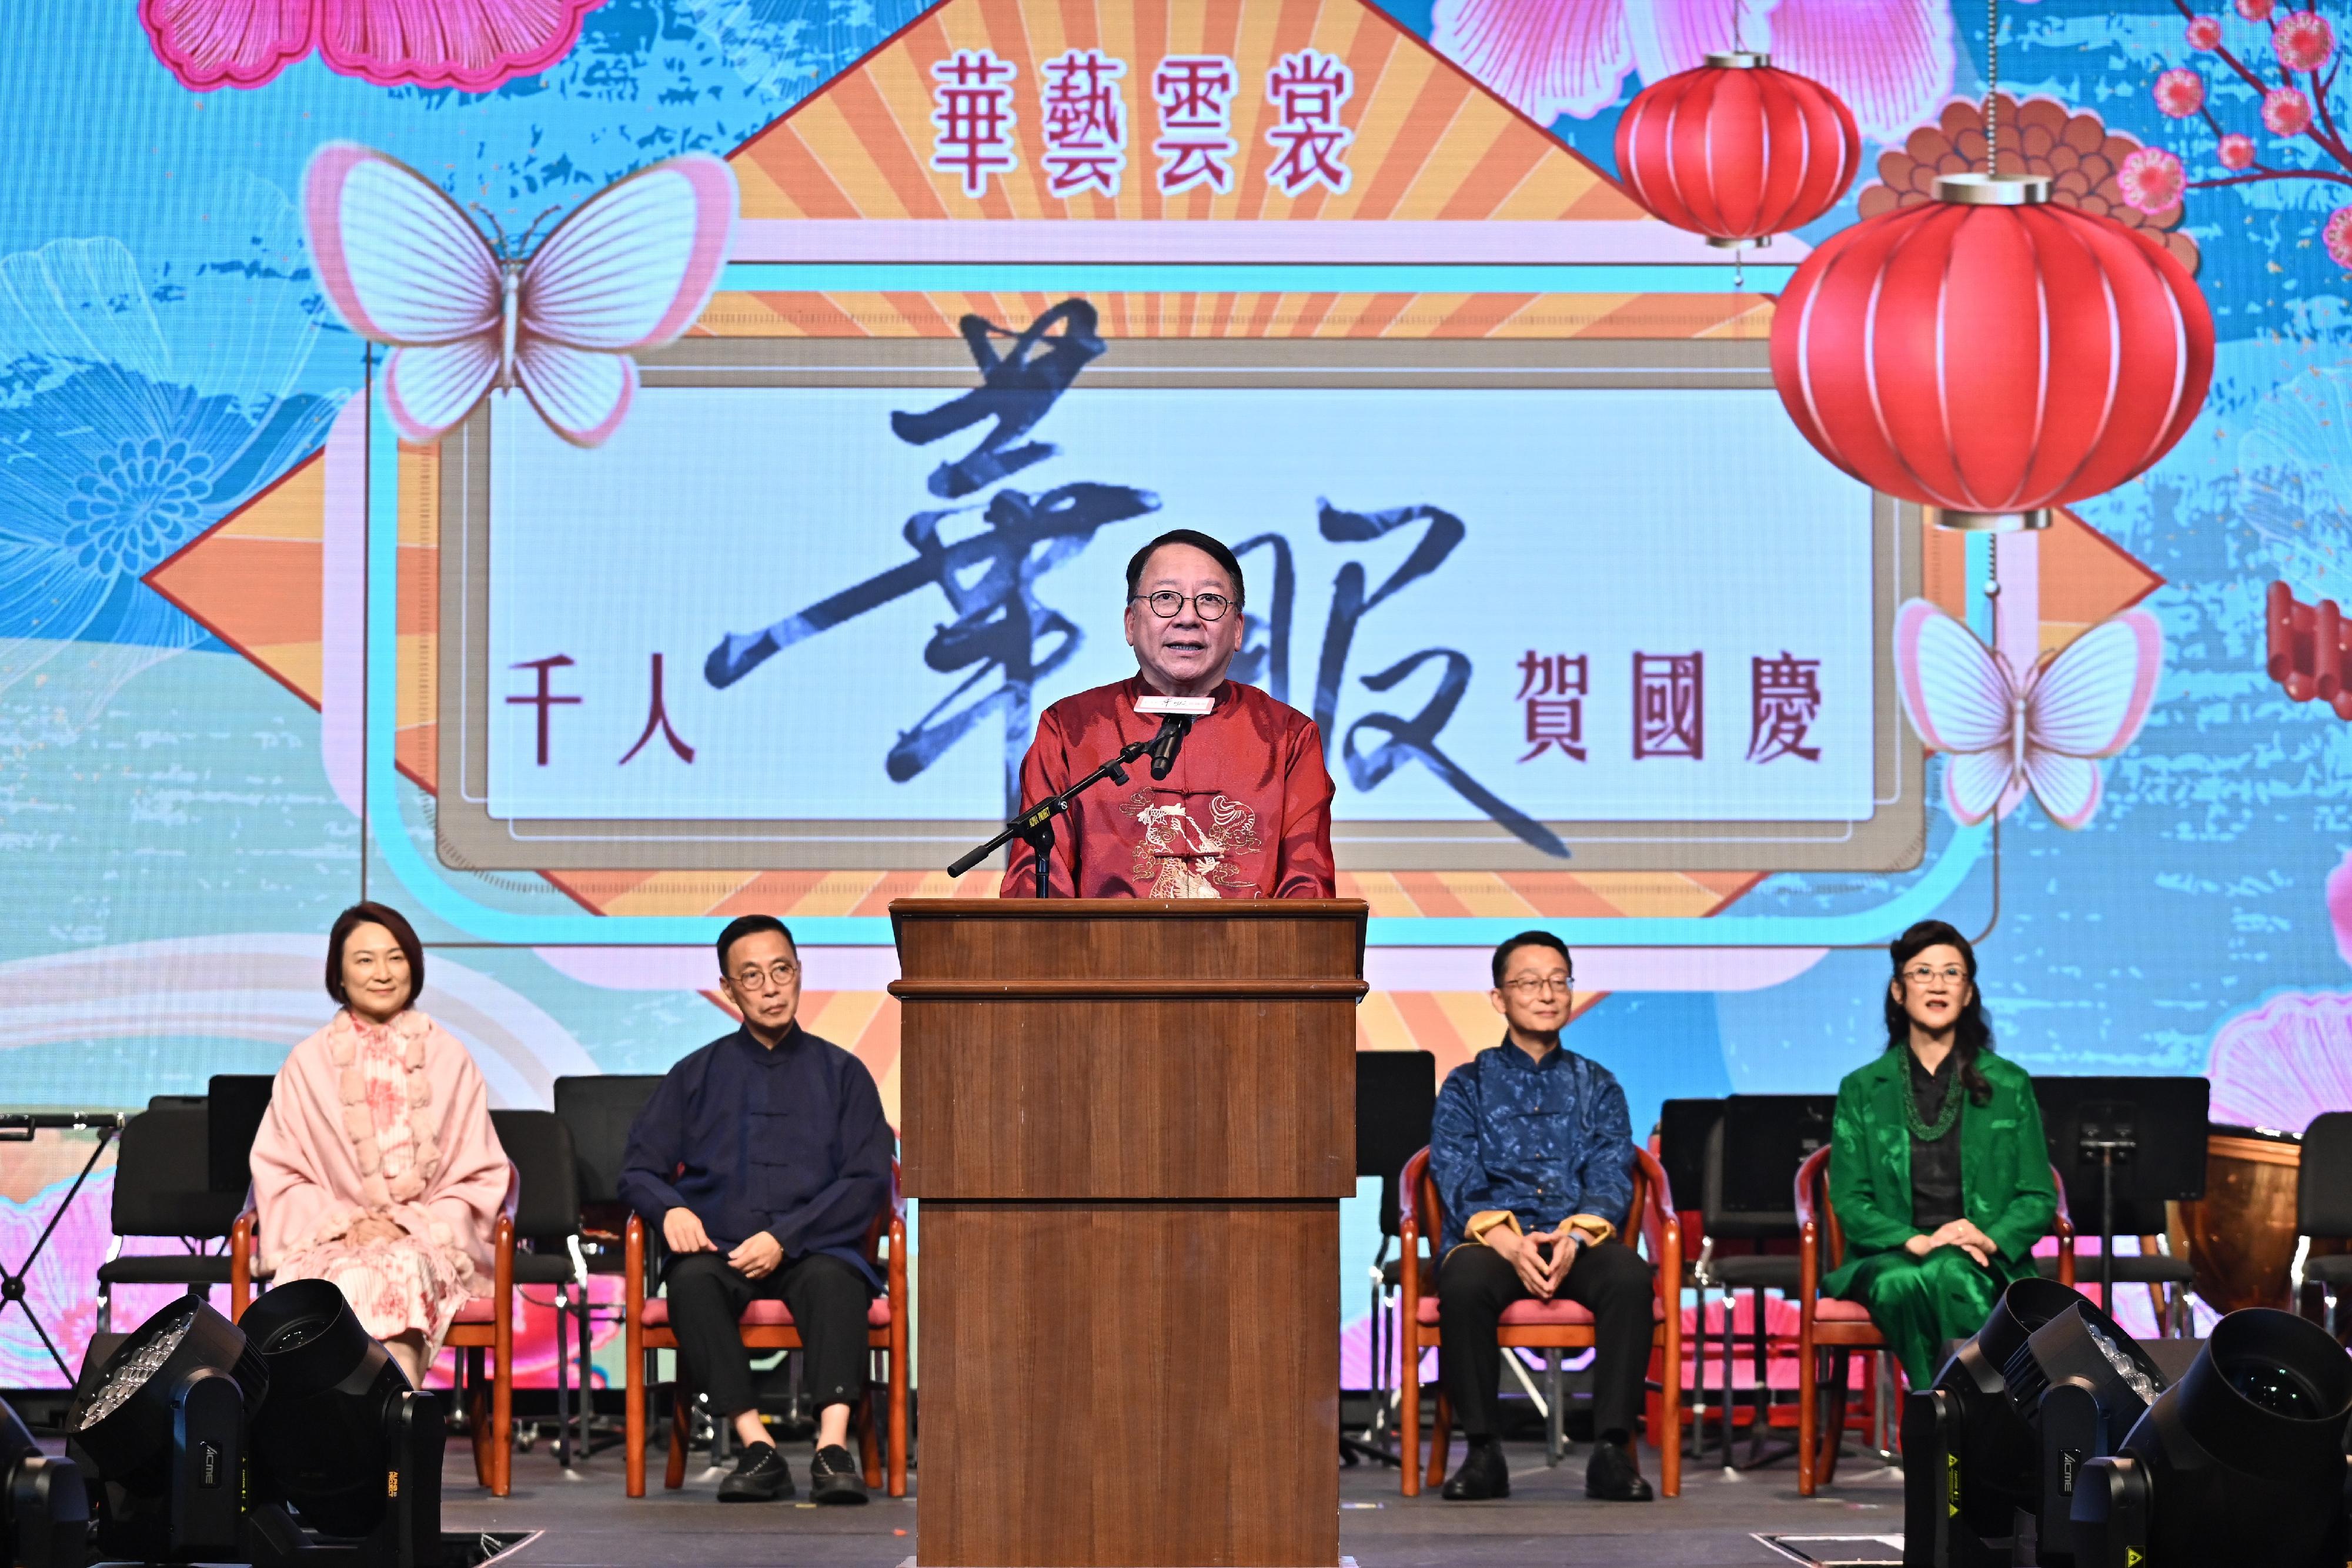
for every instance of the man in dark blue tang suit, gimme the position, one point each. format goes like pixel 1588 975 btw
pixel 763 1158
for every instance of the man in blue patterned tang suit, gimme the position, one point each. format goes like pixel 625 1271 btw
pixel 1532 1153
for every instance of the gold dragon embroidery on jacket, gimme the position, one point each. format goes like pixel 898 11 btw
pixel 1181 857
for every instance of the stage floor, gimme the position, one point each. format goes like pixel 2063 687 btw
pixel 1546 1519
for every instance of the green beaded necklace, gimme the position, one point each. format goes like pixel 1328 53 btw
pixel 1920 1127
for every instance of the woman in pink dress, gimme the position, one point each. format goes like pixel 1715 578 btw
pixel 377 1167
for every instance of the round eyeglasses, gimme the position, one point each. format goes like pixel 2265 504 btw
pixel 1167 602
pixel 776 976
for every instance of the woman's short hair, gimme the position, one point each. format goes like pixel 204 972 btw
pixel 391 920
pixel 1214 549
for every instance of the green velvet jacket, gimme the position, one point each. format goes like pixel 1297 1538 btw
pixel 2005 1185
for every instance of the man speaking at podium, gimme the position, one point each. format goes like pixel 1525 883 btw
pixel 1237 804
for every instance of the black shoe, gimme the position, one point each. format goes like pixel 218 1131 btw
pixel 834 1477
pixel 1614 1475
pixel 760 1476
pixel 1482 1475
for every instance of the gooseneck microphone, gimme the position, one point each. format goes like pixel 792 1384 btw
pixel 1168 742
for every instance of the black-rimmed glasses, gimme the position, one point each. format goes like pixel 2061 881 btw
pixel 1168 603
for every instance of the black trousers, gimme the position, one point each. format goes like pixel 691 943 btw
pixel 1475 1284
pixel 827 1299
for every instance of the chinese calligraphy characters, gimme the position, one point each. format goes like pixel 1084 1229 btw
pixel 1085 122
pixel 972 115
pixel 1082 115
pixel 546 700
pixel 1194 94
pixel 1669 705
pixel 1784 698
pixel 989 576
pixel 1308 90
pixel 1554 686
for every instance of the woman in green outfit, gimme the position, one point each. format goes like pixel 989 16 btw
pixel 1938 1167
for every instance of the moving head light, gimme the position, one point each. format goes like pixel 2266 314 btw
pixel 2241 1461
pixel 292 1441
pixel 342 1439
pixel 43 1508
pixel 163 1425
pixel 1993 1451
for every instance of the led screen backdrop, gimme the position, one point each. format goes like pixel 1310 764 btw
pixel 941 311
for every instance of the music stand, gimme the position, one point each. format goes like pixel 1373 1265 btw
pixel 2140 1142
pixel 1683 1129
pixel 1749 1194
pixel 235 1105
pixel 1396 1098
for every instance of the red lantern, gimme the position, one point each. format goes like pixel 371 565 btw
pixel 1738 150
pixel 1991 354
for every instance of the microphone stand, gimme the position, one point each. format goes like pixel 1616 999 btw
pixel 1035 823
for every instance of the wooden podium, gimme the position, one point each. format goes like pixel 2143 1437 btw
pixel 1129 1123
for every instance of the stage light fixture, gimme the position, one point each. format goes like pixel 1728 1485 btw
pixel 163 1425
pixel 343 1440
pixel 1991 1453
pixel 43 1508
pixel 2241 1461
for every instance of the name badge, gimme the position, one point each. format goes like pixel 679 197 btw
pixel 1193 707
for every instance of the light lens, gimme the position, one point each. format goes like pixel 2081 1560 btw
pixel 126 1377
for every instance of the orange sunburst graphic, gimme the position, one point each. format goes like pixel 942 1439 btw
pixel 1424 140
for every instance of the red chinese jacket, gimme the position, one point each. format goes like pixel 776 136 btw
pixel 1244 813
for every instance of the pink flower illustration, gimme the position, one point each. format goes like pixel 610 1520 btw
pixel 2254 10
pixel 2303 40
pixel 2284 1062
pixel 2339 880
pixel 2286 111
pixel 2179 92
pixel 2152 180
pixel 472 45
pixel 2337 237
pixel 1890 60
pixel 61 1287
pixel 2236 151
pixel 2204 32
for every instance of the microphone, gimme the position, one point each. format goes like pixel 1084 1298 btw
pixel 1168 742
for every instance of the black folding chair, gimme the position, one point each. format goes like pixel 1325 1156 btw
pixel 1396 1096
pixel 235 1107
pixel 2322 1210
pixel 547 1233
pixel 160 1189
pixel 597 1111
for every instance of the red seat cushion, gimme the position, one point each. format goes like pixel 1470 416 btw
pixel 766 1314
pixel 1533 1314
pixel 477 1309
pixel 1830 1309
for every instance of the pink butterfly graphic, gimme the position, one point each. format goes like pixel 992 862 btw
pixel 2004 735
pixel 473 44
pixel 630 269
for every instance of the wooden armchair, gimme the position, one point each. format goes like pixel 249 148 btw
pixel 1828 1324
pixel 768 1325
pixel 1540 1325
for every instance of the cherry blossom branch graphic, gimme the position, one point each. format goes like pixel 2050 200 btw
pixel 2297 106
